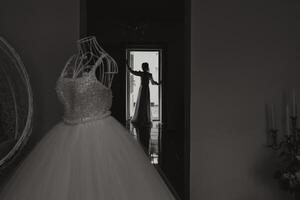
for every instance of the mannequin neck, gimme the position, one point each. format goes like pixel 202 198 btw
pixel 87 45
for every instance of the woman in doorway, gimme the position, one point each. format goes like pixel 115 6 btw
pixel 142 114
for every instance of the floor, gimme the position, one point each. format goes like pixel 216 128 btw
pixel 149 138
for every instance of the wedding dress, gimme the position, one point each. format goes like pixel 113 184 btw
pixel 142 114
pixel 87 156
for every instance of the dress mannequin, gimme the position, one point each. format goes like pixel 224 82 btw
pixel 88 155
pixel 91 55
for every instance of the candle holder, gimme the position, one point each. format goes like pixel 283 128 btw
pixel 275 145
pixel 289 152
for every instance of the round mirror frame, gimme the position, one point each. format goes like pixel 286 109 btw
pixel 26 132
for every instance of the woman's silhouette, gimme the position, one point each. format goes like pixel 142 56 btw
pixel 142 114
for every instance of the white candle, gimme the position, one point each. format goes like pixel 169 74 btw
pixel 294 103
pixel 287 120
pixel 273 125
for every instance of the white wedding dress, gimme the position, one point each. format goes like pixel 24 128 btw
pixel 87 156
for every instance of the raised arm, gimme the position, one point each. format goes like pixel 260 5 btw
pixel 137 73
pixel 153 81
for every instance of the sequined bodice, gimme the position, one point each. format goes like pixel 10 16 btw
pixel 84 98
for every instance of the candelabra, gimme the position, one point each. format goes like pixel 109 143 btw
pixel 291 141
pixel 289 147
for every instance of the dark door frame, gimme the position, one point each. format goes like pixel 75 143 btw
pixel 187 83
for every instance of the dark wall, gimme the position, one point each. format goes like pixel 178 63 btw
pixel 244 54
pixel 155 24
pixel 44 33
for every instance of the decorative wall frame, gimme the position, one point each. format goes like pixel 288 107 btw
pixel 16 104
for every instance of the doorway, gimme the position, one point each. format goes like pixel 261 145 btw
pixel 135 58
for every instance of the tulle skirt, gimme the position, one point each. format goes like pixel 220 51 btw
pixel 97 160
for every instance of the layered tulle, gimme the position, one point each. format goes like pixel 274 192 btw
pixel 97 160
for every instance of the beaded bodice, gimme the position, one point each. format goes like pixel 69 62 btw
pixel 84 98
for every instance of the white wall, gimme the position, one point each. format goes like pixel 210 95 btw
pixel 243 56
